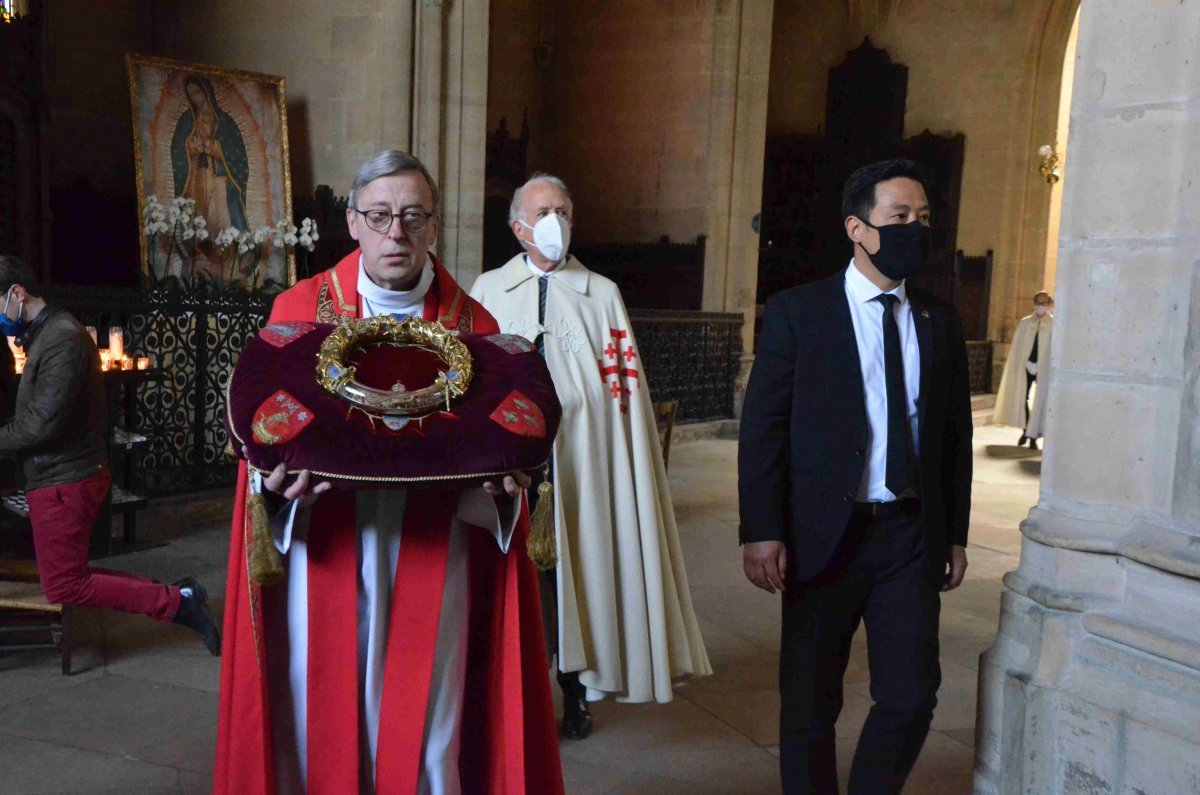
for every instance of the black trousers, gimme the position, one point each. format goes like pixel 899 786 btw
pixel 1030 380
pixel 880 576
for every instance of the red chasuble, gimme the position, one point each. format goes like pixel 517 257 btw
pixel 509 741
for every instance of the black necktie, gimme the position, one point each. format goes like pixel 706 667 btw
pixel 1033 354
pixel 901 469
pixel 543 284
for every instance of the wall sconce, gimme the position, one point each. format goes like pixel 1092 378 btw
pixel 1050 164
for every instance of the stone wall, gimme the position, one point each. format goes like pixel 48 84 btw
pixel 1093 684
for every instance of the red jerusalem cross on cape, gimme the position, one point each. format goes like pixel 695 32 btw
pixel 617 364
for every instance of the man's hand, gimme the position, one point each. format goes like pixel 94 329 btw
pixel 514 484
pixel 299 490
pixel 765 564
pixel 956 567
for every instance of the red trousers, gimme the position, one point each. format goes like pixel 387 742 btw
pixel 62 519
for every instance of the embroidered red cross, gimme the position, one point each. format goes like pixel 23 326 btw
pixel 620 383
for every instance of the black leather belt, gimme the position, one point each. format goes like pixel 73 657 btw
pixel 884 509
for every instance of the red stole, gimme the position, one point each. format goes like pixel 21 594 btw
pixel 509 742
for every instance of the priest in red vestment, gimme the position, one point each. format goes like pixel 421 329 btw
pixel 402 652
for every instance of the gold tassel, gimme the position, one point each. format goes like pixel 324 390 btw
pixel 541 530
pixel 266 564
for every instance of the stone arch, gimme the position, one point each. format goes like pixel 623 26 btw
pixel 1027 197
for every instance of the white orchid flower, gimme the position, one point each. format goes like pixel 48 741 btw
pixel 201 233
pixel 289 239
pixel 243 248
pixel 313 234
pixel 150 228
pixel 188 233
pixel 306 241
pixel 200 222
pixel 162 226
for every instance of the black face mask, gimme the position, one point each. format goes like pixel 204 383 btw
pixel 903 248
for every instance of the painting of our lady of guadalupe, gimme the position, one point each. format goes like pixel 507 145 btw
pixel 212 172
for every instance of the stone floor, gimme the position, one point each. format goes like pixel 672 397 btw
pixel 140 716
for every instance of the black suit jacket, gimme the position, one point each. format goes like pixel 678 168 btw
pixel 804 432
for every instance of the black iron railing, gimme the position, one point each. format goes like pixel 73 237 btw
pixel 692 357
pixel 979 366
pixel 195 339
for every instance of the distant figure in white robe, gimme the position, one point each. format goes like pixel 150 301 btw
pixel 1028 364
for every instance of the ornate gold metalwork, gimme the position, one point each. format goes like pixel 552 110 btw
pixel 337 375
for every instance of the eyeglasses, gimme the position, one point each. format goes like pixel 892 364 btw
pixel 412 221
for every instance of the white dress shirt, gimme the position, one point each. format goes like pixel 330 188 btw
pixel 867 316
pixel 538 272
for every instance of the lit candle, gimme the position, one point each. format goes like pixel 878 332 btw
pixel 116 342
pixel 143 362
pixel 104 359
pixel 126 362
pixel 91 330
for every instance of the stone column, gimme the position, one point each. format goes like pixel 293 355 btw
pixel 1093 684
pixel 464 138
pixel 737 137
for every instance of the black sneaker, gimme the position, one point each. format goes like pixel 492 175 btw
pixel 194 614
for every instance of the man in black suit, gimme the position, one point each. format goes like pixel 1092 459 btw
pixel 855 485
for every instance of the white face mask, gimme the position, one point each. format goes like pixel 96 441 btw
pixel 1040 310
pixel 551 236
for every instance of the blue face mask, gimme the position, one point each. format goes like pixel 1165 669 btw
pixel 8 326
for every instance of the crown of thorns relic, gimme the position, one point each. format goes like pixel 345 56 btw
pixel 337 374
pixel 390 403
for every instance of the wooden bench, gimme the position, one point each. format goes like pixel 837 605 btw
pixel 664 418
pixel 24 611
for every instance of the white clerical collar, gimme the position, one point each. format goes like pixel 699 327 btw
pixel 384 299
pixel 863 290
pixel 538 272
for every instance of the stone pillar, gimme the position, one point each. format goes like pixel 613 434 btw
pixel 737 137
pixel 1093 684
pixel 464 137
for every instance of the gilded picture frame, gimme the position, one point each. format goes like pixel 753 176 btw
pixel 213 141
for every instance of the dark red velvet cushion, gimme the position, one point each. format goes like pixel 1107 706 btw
pixel 506 421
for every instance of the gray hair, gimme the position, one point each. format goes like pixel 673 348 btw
pixel 389 163
pixel 514 209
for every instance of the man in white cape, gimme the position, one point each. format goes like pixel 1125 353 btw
pixel 626 627
pixel 1028 363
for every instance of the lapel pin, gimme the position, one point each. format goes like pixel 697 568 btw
pixel 925 313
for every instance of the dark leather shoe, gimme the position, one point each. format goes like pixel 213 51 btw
pixel 1033 445
pixel 194 614
pixel 1022 440
pixel 577 719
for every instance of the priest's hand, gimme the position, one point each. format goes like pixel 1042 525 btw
pixel 956 567
pixel 765 564
pixel 299 490
pixel 514 484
